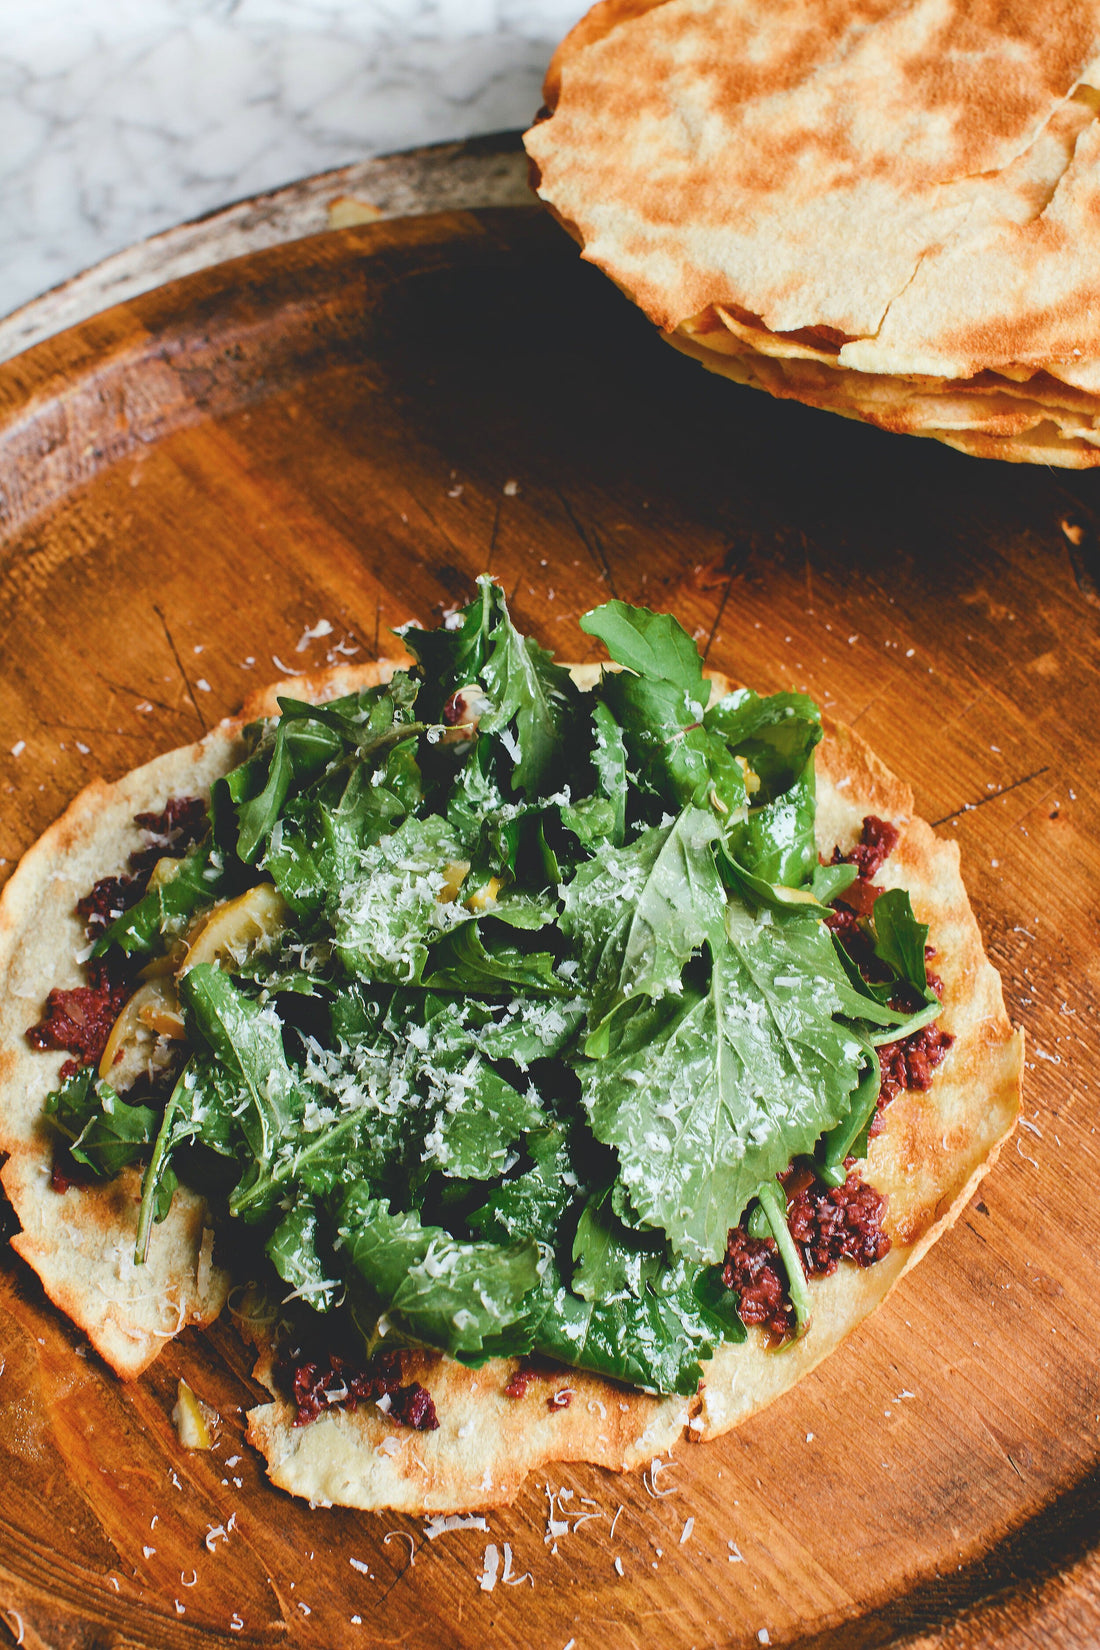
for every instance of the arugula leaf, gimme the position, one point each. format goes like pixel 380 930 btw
pixel 532 1029
pixel 592 821
pixel 610 1260
pixel 651 644
pixel 103 1131
pixel 609 761
pixel 706 1097
pixel 306 742
pixel 533 1204
pixel 305 847
pixel 868 1002
pixel 654 1340
pixel 659 704
pixel 533 695
pixel 257 815
pixel 460 1297
pixel 773 1204
pixel 849 1136
pixel 776 842
pixel 718 1304
pixel 899 938
pixel 474 957
pixel 453 656
pixel 830 881
pixel 775 735
pixel 365 721
pixel 755 890
pixel 293 1251
pixel 638 914
pixel 406 1093
pixel 476 796
pixel 475 1116
pixel 202 1106
pixel 248 1042
pixel 673 755
pixel 314 847
pixel 339 1147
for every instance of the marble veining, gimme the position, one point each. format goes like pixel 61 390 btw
pixel 120 118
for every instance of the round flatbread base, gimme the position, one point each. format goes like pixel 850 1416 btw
pixel 929 1157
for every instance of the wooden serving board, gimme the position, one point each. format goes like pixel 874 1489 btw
pixel 349 429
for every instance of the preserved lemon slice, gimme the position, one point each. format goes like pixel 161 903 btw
pixel 454 874
pixel 484 898
pixel 234 929
pixel 151 1013
pixel 194 1420
pixel 228 933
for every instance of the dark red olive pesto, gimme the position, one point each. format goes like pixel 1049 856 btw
pixel 755 1273
pixel 877 841
pixel 65 1171
pixel 530 1369
pixel 834 1223
pixel 831 1224
pixel 828 1223
pixel 79 1019
pixel 909 1064
pixel 177 827
pixel 108 900
pixel 335 1382
pixel 519 1381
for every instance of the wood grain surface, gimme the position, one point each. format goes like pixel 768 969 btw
pixel 349 428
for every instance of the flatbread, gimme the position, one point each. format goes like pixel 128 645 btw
pixel 933 1150
pixel 901 193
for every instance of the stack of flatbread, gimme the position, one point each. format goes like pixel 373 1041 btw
pixel 886 208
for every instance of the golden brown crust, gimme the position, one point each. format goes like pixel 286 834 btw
pixel 928 1159
pixel 845 168
pixel 594 25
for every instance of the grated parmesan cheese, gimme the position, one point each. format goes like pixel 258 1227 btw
pixel 507 1577
pixel 441 1523
pixel 487 1580
pixel 312 633
pixel 400 1535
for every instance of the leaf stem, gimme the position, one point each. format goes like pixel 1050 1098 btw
pixel 150 1180
pixel 840 1140
pixel 773 1201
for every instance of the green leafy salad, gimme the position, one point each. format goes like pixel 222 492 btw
pixel 492 1005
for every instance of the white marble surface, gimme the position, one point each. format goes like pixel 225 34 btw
pixel 120 118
